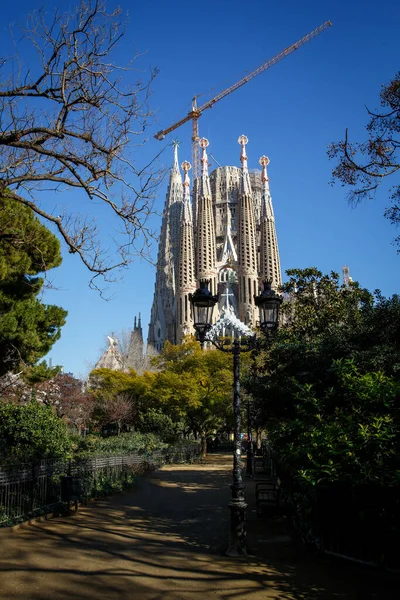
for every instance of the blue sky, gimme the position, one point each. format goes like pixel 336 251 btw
pixel 290 112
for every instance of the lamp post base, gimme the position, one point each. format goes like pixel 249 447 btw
pixel 238 536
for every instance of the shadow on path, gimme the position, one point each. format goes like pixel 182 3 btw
pixel 163 539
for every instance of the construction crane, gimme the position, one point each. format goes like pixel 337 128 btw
pixel 196 111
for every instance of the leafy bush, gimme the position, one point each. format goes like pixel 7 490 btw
pixel 156 422
pixel 31 432
pixel 123 444
pixel 349 433
pixel 83 446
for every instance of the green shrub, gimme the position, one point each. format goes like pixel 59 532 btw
pixel 156 422
pixel 31 432
pixel 123 444
pixel 83 446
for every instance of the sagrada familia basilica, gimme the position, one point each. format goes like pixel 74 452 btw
pixel 227 236
pixel 222 230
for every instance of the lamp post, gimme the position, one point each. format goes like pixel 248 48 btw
pixel 250 449
pixel 203 303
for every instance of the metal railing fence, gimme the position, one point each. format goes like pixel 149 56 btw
pixel 28 490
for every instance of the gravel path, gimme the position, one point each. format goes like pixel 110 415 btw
pixel 164 540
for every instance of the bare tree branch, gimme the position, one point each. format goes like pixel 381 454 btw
pixel 71 123
pixel 363 166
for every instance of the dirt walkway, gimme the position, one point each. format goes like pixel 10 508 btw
pixel 163 540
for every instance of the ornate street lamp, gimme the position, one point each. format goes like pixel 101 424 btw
pixel 203 303
pixel 268 303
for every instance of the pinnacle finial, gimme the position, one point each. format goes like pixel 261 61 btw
pixel 243 140
pixel 175 144
pixel 186 166
pixel 203 143
pixel 264 161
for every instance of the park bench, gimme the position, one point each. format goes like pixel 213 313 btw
pixel 267 494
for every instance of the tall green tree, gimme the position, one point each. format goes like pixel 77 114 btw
pixel 331 370
pixel 316 320
pixel 28 327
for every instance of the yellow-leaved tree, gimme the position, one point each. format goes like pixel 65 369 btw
pixel 196 386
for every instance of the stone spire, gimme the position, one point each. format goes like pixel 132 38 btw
pixel 245 183
pixel 175 198
pixel 205 239
pixel 186 270
pixel 247 245
pixel 162 325
pixel 175 166
pixel 232 224
pixel 175 188
pixel 270 268
pixel 135 355
pixel 229 253
pixel 111 358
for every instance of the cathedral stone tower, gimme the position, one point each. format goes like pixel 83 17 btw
pixel 270 267
pixel 205 238
pixel 228 237
pixel 163 312
pixel 186 271
pixel 247 242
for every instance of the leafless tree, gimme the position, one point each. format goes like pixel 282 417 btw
pixel 118 411
pixel 73 121
pixel 69 399
pixel 362 166
pixel 13 388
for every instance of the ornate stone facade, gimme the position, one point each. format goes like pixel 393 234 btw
pixel 228 237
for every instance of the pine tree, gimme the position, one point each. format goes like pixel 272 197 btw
pixel 28 327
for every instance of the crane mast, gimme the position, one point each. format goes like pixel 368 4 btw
pixel 195 113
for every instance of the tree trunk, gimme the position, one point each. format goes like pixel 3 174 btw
pixel 203 439
pixel 258 438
